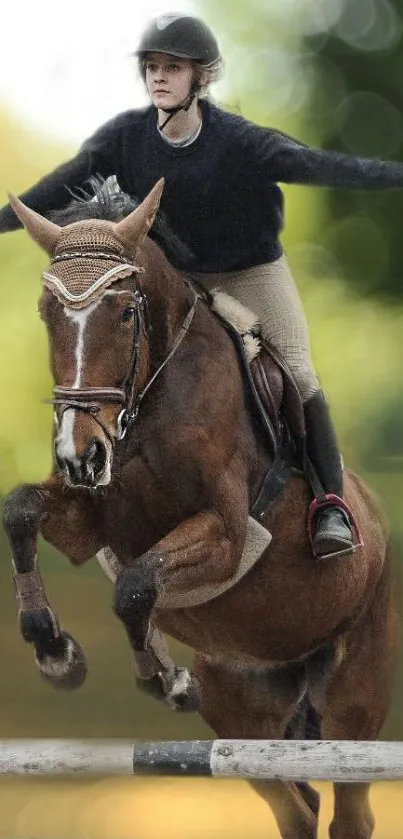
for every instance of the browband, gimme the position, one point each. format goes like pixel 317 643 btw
pixel 124 268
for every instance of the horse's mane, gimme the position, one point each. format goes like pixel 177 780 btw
pixel 105 200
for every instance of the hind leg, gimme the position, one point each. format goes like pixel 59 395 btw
pixel 353 816
pixel 357 702
pixel 246 702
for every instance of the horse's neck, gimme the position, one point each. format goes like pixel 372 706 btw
pixel 169 299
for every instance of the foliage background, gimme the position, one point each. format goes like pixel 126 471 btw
pixel 329 73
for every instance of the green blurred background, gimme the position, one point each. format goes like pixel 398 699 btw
pixel 328 73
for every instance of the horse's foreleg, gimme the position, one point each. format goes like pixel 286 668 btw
pixel 58 656
pixel 198 551
pixel 156 674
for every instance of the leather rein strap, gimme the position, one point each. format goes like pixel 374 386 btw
pixel 90 399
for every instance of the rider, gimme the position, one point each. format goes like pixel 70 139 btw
pixel 221 198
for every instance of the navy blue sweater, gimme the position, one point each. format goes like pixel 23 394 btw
pixel 221 195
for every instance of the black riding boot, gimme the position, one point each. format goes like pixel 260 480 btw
pixel 331 525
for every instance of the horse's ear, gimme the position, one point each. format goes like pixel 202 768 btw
pixel 44 232
pixel 132 229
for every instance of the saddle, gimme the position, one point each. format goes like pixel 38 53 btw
pixel 275 402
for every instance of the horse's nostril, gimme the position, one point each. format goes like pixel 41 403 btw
pixel 84 469
pixel 97 456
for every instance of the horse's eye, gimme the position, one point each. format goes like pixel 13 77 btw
pixel 127 314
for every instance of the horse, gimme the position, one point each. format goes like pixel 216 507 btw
pixel 157 461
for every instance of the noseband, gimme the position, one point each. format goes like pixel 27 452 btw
pixel 90 400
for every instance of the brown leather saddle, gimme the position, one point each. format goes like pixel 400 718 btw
pixel 276 402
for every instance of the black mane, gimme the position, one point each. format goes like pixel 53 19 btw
pixel 105 200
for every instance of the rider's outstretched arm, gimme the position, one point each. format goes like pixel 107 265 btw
pixel 53 192
pixel 289 161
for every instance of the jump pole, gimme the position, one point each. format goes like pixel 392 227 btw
pixel 298 760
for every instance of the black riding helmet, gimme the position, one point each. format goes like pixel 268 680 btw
pixel 182 36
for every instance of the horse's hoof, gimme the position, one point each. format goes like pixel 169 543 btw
pixel 153 687
pixel 180 690
pixel 67 671
pixel 185 692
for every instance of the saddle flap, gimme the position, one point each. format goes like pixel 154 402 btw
pixel 268 380
pixel 275 393
pixel 291 407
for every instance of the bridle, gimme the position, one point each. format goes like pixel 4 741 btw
pixel 90 400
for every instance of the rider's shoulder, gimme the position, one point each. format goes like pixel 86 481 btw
pixel 234 124
pixel 253 140
pixel 129 119
pixel 122 122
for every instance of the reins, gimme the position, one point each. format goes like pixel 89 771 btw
pixel 184 328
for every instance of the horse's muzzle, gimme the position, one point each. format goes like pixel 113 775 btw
pixel 91 469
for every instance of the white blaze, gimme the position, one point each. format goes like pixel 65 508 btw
pixel 65 438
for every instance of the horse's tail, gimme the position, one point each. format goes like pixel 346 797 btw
pixel 306 722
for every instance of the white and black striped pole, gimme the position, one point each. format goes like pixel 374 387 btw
pixel 299 760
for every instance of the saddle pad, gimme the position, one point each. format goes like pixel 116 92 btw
pixel 256 542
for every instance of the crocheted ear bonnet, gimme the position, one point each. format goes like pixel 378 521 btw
pixel 87 259
pixel 88 256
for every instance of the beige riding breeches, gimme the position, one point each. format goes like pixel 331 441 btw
pixel 270 292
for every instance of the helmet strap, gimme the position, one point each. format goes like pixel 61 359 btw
pixel 183 107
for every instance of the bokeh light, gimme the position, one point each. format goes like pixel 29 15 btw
pixel 369 25
pixel 328 72
pixel 361 121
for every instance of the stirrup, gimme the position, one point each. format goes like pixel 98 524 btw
pixel 332 500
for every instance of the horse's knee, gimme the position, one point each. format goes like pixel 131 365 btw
pixel 135 593
pixel 24 503
pixel 23 510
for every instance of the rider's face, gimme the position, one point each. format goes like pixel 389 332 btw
pixel 168 79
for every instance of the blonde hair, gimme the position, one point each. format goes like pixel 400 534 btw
pixel 212 71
